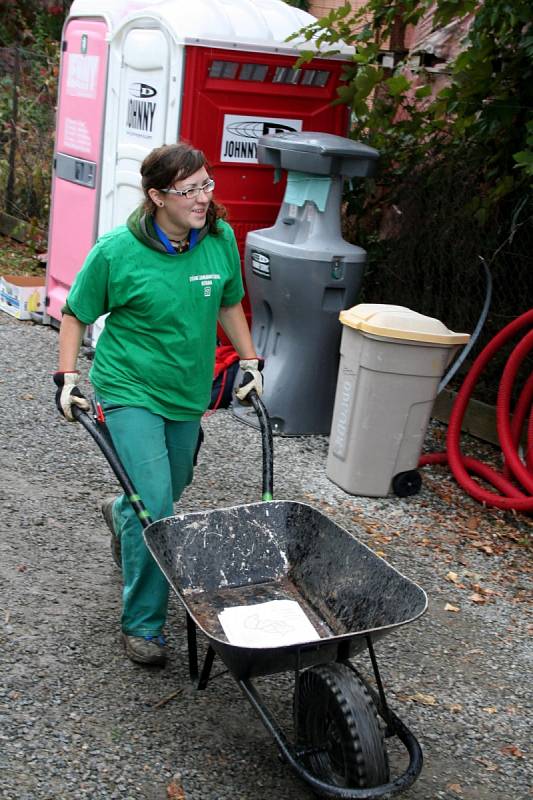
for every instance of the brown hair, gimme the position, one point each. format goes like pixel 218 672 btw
pixel 170 163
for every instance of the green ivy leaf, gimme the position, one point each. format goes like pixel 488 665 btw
pixel 366 79
pixel 423 91
pixel 397 85
pixel 524 160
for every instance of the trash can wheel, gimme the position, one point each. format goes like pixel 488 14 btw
pixel 338 726
pixel 404 484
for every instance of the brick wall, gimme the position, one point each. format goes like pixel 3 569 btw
pixel 321 7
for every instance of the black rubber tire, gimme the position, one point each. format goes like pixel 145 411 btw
pixel 405 484
pixel 338 721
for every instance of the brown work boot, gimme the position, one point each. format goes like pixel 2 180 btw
pixel 107 511
pixel 145 649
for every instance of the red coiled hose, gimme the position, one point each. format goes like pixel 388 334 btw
pixel 510 497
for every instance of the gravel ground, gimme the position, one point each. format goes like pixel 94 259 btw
pixel 78 720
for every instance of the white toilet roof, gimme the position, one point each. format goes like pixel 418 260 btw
pixel 256 24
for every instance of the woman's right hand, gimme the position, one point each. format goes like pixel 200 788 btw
pixel 252 380
pixel 68 394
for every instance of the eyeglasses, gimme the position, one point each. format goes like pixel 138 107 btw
pixel 193 192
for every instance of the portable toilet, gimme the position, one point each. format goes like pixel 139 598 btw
pixel 136 74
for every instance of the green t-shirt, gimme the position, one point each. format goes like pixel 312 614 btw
pixel 157 349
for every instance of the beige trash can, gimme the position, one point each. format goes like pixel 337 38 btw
pixel 392 360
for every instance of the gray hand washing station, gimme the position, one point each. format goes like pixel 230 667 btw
pixel 300 274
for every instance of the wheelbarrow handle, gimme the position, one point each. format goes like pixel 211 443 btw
pixel 267 445
pixel 98 430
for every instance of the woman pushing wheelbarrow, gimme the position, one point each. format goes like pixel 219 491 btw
pixel 164 279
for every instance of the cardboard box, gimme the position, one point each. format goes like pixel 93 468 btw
pixel 20 295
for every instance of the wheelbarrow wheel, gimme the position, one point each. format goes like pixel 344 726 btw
pixel 338 729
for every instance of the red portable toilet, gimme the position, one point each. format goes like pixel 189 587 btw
pixel 136 74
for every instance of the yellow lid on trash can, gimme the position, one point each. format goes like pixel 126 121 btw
pixel 398 322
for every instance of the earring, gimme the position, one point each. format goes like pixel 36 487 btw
pixel 161 205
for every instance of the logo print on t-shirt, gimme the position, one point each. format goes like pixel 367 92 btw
pixel 206 281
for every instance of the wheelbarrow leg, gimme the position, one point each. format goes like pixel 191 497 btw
pixel 384 710
pixel 192 646
pixel 206 669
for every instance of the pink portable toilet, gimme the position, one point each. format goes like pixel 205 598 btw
pixel 80 121
pixel 136 74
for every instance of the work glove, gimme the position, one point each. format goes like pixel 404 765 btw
pixel 68 394
pixel 251 379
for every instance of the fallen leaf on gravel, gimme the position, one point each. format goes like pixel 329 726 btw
pixel 473 523
pixel 27 397
pixel 490 710
pixel 455 787
pixel 477 598
pixel 7 617
pixel 453 577
pixel 423 699
pixel 22 567
pixel 455 707
pixel 449 607
pixel 512 750
pixel 473 576
pixel 380 553
pixel 175 790
pixel 381 538
pixel 485 547
pixel 490 766
pixel 486 592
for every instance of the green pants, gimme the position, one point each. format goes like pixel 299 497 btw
pixel 158 455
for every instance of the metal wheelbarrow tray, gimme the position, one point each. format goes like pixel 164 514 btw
pixel 257 552
pixel 284 550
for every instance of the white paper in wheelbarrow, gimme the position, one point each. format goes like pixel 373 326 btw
pixel 275 623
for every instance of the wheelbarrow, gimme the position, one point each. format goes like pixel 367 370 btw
pixel 255 553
